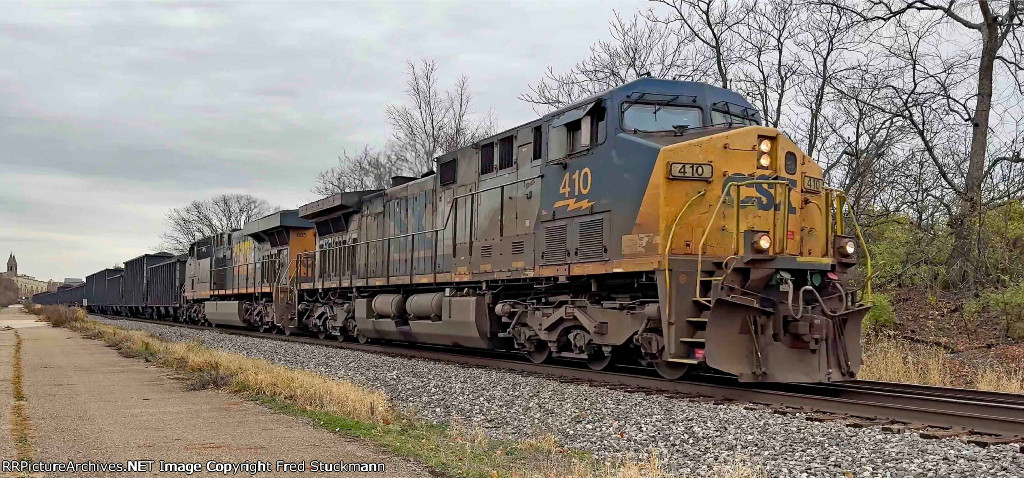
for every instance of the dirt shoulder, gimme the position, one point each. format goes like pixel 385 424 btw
pixel 86 402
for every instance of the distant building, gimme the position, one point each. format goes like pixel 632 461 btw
pixel 69 282
pixel 27 285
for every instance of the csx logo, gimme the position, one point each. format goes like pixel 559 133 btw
pixel 765 201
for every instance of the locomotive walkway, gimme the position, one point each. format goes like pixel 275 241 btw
pixel 87 403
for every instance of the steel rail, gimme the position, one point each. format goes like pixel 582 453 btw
pixel 947 392
pixel 968 411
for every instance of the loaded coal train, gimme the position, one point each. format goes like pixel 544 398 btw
pixel 656 223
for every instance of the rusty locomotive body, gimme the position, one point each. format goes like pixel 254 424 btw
pixel 656 223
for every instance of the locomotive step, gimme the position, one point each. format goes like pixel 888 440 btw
pixel 692 340
pixel 697 320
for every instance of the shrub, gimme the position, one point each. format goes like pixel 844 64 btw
pixel 881 316
pixel 58 316
pixel 1006 306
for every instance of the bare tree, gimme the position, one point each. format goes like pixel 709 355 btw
pixel 637 47
pixel 945 82
pixel 826 39
pixel 767 43
pixel 367 169
pixel 202 218
pixel 435 122
pixel 866 152
pixel 713 27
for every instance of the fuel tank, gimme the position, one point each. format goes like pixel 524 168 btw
pixel 225 312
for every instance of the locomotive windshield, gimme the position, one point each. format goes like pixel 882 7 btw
pixel 651 118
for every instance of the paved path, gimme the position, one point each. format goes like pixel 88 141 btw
pixel 86 402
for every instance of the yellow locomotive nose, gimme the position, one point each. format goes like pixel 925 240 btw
pixel 738 242
pixel 738 180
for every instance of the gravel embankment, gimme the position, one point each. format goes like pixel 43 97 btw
pixel 689 437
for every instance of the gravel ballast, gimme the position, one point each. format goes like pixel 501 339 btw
pixel 689 437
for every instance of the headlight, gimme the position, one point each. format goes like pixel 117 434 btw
pixel 847 248
pixel 764 161
pixel 765 146
pixel 762 242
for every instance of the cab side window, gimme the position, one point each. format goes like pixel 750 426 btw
pixel 577 130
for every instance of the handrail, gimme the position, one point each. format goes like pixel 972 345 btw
pixel 668 248
pixel 860 237
pixel 447 219
pixel 834 197
pixel 447 216
pixel 736 238
pixel 250 270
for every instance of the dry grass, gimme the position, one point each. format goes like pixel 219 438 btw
pixel 889 360
pixel 1002 379
pixel 739 470
pixel 892 360
pixel 21 426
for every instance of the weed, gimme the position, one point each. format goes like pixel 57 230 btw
pixel 881 317
pixel 1005 305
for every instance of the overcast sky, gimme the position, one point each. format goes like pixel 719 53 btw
pixel 110 114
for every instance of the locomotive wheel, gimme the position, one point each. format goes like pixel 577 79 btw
pixel 599 361
pixel 541 352
pixel 286 330
pixel 321 334
pixel 670 370
pixel 362 338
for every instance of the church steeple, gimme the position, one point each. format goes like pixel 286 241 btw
pixel 12 265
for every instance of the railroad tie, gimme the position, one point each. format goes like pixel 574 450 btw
pixel 940 434
pixel 985 441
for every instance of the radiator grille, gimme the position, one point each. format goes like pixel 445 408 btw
pixel 554 244
pixel 591 240
pixel 485 250
pixel 518 247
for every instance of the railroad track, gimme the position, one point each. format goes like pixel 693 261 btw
pixel 980 417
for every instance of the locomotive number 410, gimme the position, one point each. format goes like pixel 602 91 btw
pixel 577 183
pixel 697 171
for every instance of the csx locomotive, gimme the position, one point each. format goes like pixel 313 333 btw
pixel 656 223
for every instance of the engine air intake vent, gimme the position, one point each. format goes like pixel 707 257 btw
pixel 518 247
pixel 555 237
pixel 591 240
pixel 485 250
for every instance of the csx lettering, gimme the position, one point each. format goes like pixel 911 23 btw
pixel 765 201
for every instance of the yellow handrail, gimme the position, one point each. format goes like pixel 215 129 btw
pixel 668 247
pixel 736 232
pixel 841 200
